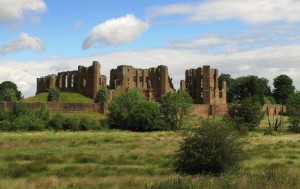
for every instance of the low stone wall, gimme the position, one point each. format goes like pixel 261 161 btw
pixel 206 109
pixel 61 107
pixel 274 109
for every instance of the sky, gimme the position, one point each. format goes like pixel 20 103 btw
pixel 240 38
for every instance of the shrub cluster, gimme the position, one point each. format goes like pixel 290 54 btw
pixel 293 111
pixel 21 118
pixel 211 149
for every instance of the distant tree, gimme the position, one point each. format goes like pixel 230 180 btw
pixel 174 105
pixel 53 94
pixel 171 82
pixel 293 111
pixel 283 88
pixel 101 95
pixel 229 85
pixel 212 148
pixel 129 111
pixel 9 90
pixel 246 114
pixel 244 87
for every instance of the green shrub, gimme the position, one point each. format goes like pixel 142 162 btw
pixel 87 124
pixel 56 122
pixel 3 114
pixel 43 113
pixel 5 125
pixel 53 94
pixel 247 114
pixel 21 108
pixel 293 111
pixel 70 124
pixel 101 95
pixel 28 122
pixel 174 106
pixel 129 111
pixel 211 149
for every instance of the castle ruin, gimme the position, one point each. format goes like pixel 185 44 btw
pixel 85 80
pixel 202 84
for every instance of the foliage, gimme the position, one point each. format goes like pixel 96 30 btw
pixel 269 100
pixel 28 122
pixel 174 106
pixel 9 90
pixel 129 111
pixel 276 122
pixel 283 87
pixel 229 85
pixel 53 94
pixel 293 111
pixel 87 124
pixel 70 124
pixel 20 109
pixel 211 149
pixel 247 114
pixel 101 95
pixel 171 82
pixel 244 87
pixel 56 122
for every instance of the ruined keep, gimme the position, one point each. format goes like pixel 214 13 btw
pixel 202 84
pixel 85 80
pixel 152 83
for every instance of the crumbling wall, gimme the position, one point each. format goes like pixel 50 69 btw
pixel 202 84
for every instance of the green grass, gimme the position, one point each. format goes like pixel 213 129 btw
pixel 64 97
pixel 121 159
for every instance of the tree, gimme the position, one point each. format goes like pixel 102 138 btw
pixel 53 94
pixel 293 111
pixel 283 88
pixel 129 111
pixel 229 85
pixel 9 90
pixel 174 105
pixel 101 95
pixel 248 113
pixel 211 149
pixel 244 87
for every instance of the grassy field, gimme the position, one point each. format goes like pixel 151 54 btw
pixel 120 159
pixel 64 97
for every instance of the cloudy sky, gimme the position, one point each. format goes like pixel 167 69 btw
pixel 249 37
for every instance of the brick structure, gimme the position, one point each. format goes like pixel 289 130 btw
pixel 85 80
pixel 202 84
pixel 152 83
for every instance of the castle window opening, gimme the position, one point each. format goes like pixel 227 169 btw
pixel 66 82
pixel 72 81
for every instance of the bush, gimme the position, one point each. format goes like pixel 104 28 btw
pixel 247 114
pixel 87 124
pixel 70 124
pixel 53 94
pixel 101 95
pixel 3 114
pixel 293 107
pixel 174 106
pixel 28 122
pixel 21 108
pixel 5 125
pixel 211 149
pixel 56 122
pixel 129 111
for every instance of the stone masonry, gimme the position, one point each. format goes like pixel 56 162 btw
pixel 152 83
pixel 85 80
pixel 202 84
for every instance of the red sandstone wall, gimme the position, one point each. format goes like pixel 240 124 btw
pixel 61 107
pixel 206 109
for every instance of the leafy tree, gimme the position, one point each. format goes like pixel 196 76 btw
pixel 6 89
pixel 247 114
pixel 283 88
pixel 229 85
pixel 211 149
pixel 174 105
pixel 244 87
pixel 53 94
pixel 21 108
pixel 171 82
pixel 101 95
pixel 129 111
pixel 293 111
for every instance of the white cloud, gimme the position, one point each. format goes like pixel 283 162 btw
pixel 201 42
pixel 248 11
pixel 24 41
pixel 13 10
pixel 115 31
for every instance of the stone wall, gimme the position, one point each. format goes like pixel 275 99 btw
pixel 274 109
pixel 207 109
pixel 61 107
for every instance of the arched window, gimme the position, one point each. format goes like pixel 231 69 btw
pixel 72 80
pixel 66 82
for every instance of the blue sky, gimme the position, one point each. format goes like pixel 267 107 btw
pixel 249 37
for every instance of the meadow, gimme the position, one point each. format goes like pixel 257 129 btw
pixel 121 159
